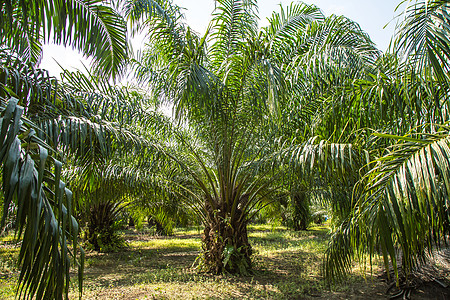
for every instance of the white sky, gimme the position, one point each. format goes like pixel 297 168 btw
pixel 372 16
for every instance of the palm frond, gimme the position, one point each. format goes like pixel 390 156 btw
pixel 139 11
pixel 174 65
pixel 422 37
pixel 92 27
pixel 44 207
pixel 234 21
pixel 286 26
pixel 403 207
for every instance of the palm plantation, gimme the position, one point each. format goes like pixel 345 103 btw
pixel 304 109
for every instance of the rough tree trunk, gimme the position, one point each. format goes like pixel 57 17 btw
pixel 100 226
pixel 301 211
pixel 159 228
pixel 225 242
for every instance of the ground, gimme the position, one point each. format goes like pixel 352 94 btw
pixel 287 265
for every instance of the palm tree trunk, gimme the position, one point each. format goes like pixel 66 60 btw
pixel 159 228
pixel 225 242
pixel 101 233
pixel 301 211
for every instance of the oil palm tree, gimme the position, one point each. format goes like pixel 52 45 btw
pixel 335 53
pixel 94 28
pixel 114 169
pixel 88 124
pixel 40 120
pixel 223 90
pixel 227 87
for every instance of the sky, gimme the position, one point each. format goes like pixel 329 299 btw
pixel 376 17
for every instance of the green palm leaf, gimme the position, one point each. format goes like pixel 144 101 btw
pixel 423 38
pixel 94 28
pixel 44 215
pixel 403 207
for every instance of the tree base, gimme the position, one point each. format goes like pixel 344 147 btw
pixel 226 248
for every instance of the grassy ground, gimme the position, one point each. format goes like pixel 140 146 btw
pixel 287 266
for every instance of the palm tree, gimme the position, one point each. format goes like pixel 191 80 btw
pixel 116 168
pixel 96 28
pixel 223 92
pixel 41 121
pixel 93 27
pixel 335 53
pixel 226 87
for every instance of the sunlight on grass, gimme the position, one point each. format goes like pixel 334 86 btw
pixel 172 243
pixel 9 252
pixel 8 288
pixel 283 240
pixel 191 230
pixel 8 238
pixel 287 265
pixel 8 260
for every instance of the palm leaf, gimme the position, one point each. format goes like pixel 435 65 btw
pixel 403 207
pixel 44 214
pixel 423 39
pixel 90 26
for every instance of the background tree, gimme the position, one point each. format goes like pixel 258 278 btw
pixel 330 54
pixel 115 169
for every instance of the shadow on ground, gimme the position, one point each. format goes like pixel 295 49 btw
pixel 287 265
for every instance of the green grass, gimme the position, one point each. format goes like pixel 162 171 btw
pixel 287 265
pixel 9 251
